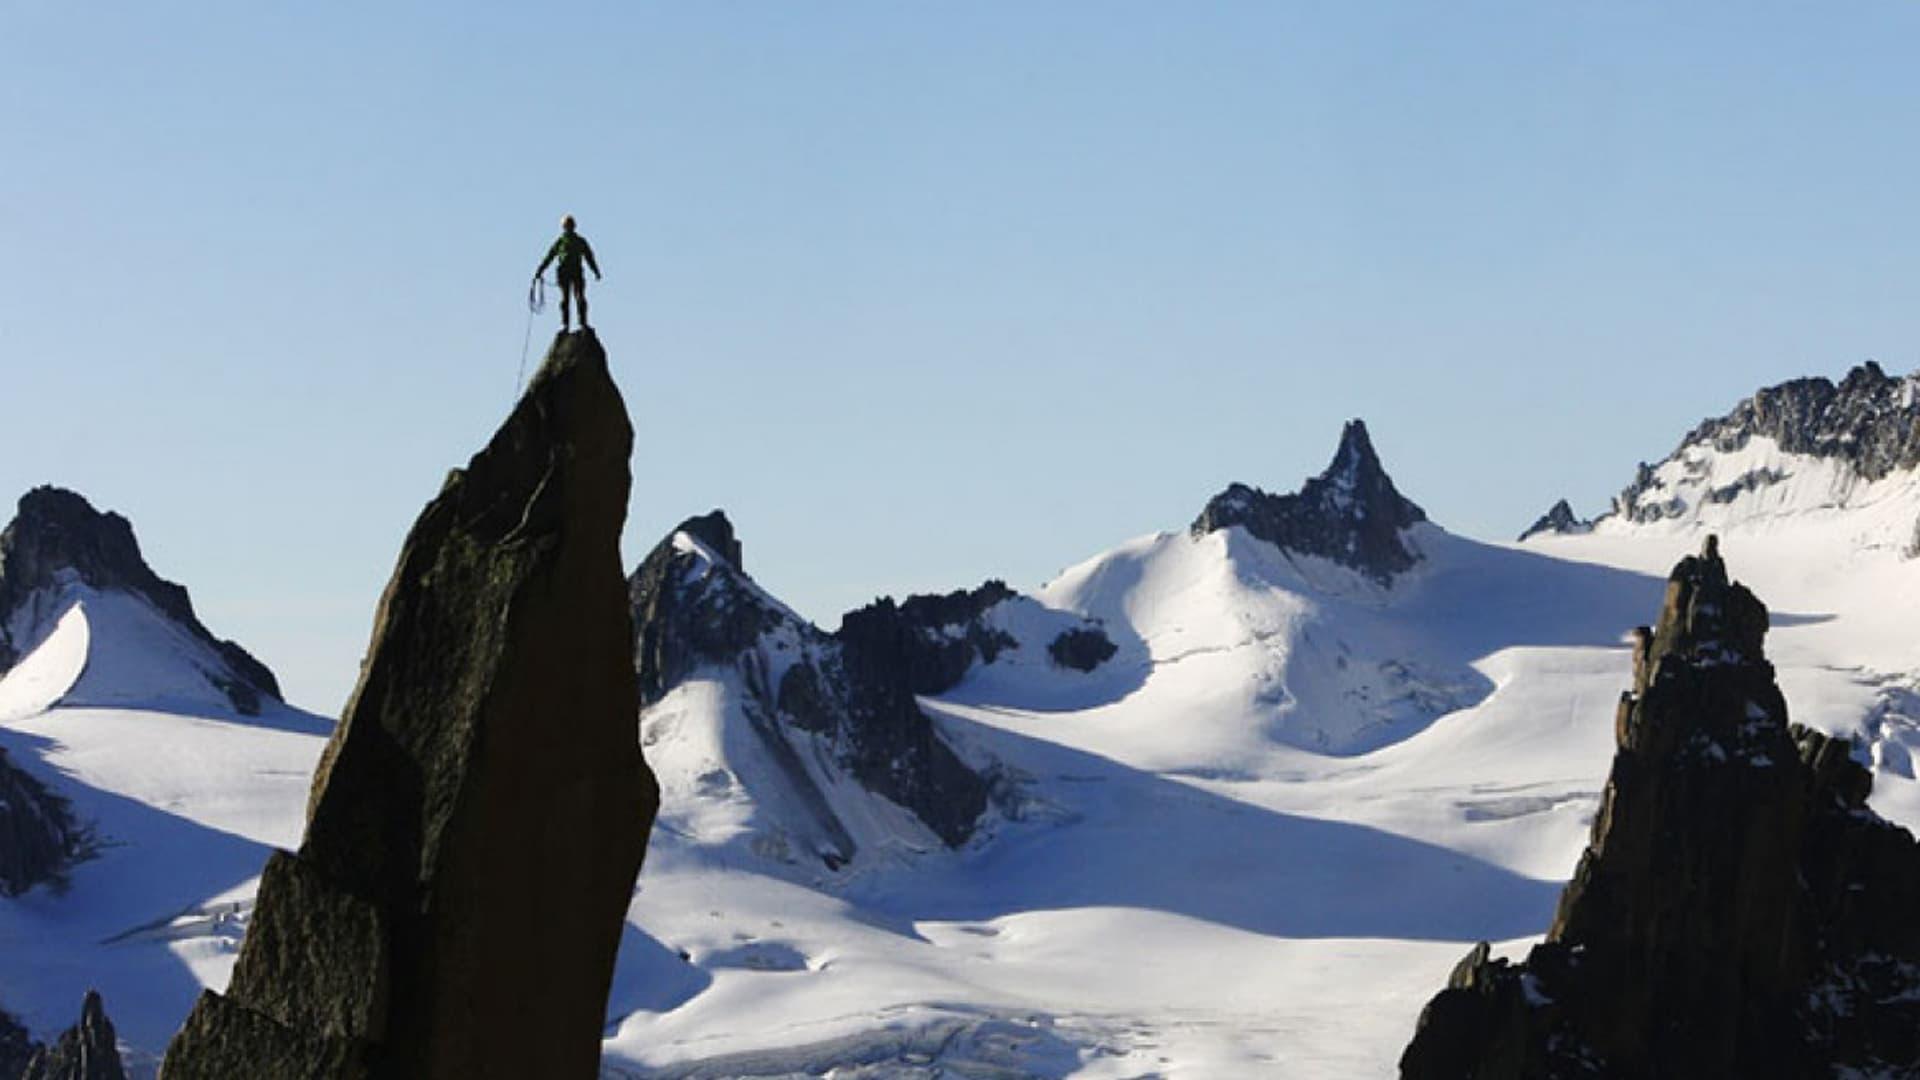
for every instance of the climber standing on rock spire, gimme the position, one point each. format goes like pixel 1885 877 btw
pixel 568 252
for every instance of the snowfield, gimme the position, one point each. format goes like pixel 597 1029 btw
pixel 185 800
pixel 1253 843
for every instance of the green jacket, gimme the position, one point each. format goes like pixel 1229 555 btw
pixel 568 251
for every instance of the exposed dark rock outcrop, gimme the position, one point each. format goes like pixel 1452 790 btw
pixel 1350 514
pixel 1869 421
pixel 88 1050
pixel 39 838
pixel 1739 910
pixel 479 816
pixel 1561 519
pixel 1082 648
pixel 16 1046
pixel 694 606
pixel 934 639
pixel 57 534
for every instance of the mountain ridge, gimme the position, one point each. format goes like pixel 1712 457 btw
pixel 57 543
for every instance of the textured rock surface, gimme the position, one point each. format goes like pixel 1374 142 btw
pixel 695 606
pixel 1350 514
pixel 1082 649
pixel 16 1046
pixel 479 816
pixel 1560 518
pixel 86 1051
pixel 1870 421
pixel 1738 912
pixel 39 838
pixel 56 533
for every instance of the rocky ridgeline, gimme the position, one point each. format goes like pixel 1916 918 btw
pixel 694 605
pixel 58 536
pixel 1870 421
pixel 1351 514
pixel 479 816
pixel 1739 911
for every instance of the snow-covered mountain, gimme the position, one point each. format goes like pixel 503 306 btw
pixel 146 769
pixel 1809 452
pixel 806 747
pixel 1227 800
pixel 85 621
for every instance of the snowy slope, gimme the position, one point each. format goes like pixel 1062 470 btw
pixel 1191 883
pixel 107 648
pixel 1251 843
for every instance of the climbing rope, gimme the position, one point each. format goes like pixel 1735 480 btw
pixel 536 303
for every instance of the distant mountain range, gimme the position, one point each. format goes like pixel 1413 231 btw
pixel 1226 752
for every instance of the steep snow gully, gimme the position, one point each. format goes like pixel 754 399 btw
pixel 1310 749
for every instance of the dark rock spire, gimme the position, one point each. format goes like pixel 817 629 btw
pixel 57 533
pixel 1350 514
pixel 1738 911
pixel 1559 518
pixel 479 816
pixel 89 1050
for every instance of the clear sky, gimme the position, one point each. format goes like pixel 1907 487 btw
pixel 920 293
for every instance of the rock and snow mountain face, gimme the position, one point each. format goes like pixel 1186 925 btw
pixel 85 621
pixel 1817 484
pixel 1350 515
pixel 1739 910
pixel 1805 452
pixel 145 768
pixel 1246 792
pixel 811 747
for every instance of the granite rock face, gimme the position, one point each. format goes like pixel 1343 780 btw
pixel 57 536
pixel 695 606
pixel 89 1050
pixel 1739 911
pixel 479 816
pixel 39 837
pixel 1350 514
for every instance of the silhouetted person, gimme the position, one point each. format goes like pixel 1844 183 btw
pixel 569 252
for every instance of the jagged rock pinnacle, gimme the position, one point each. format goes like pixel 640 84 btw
pixel 1350 514
pixel 1559 518
pixel 1738 911
pixel 89 1050
pixel 479 816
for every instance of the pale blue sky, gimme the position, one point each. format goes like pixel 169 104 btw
pixel 920 293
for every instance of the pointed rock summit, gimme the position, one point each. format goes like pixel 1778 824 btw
pixel 1559 519
pixel 478 819
pixel 1739 911
pixel 695 607
pixel 58 546
pixel 89 1050
pixel 1351 514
